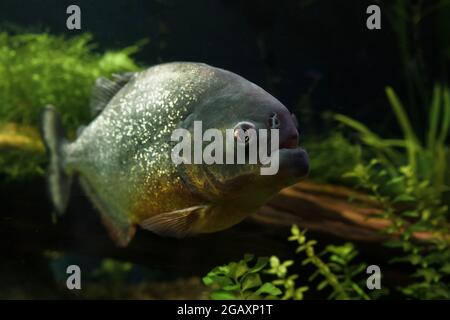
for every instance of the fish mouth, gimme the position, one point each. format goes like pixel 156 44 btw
pixel 293 159
pixel 294 162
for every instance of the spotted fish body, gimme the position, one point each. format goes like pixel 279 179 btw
pixel 123 157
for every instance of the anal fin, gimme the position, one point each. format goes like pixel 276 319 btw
pixel 178 223
pixel 118 227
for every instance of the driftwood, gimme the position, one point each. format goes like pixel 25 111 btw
pixel 337 210
pixel 19 137
pixel 325 208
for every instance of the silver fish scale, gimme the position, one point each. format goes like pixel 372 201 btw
pixel 124 154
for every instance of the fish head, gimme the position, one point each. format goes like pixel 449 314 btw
pixel 242 112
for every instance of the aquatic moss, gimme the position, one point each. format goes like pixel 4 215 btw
pixel 21 152
pixel 41 69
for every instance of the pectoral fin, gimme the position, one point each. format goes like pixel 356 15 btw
pixel 178 223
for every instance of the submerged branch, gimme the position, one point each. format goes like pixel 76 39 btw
pixel 17 137
pixel 337 210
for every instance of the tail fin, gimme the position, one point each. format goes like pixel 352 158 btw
pixel 58 180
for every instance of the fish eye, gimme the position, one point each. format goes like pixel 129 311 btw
pixel 244 132
pixel 273 121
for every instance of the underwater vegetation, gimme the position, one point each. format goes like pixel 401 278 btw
pixel 412 188
pixel 40 69
pixel 238 280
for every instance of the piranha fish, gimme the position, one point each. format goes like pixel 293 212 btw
pixel 123 157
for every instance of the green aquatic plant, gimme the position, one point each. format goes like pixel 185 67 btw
pixel 284 280
pixel 337 270
pixel 428 158
pixel 335 264
pixel 239 280
pixel 424 218
pixel 409 178
pixel 40 69
pixel 409 23
pixel 330 169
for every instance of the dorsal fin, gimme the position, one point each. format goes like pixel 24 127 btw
pixel 104 89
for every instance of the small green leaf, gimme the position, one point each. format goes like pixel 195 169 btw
pixel 223 295
pixel 274 261
pixel 269 288
pixel 322 285
pixel 404 198
pixel 260 264
pixel 207 280
pixel 222 281
pixel 288 263
pixel 241 268
pixel 295 230
pixel 232 287
pixel 298 295
pixel 395 180
pixel 410 213
pixel 412 258
pixel 337 259
pixel 446 268
pixel 394 244
pixel 250 281
pixel 225 270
